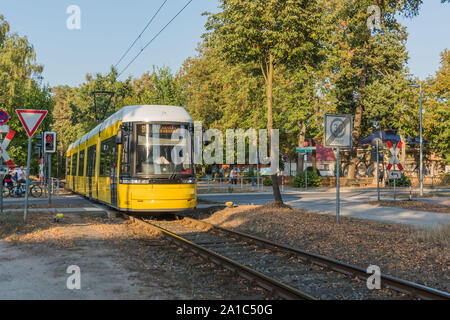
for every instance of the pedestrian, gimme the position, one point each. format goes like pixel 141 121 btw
pixel 20 176
pixel 234 175
pixel 8 179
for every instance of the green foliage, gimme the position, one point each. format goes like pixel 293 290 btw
pixel 320 55
pixel 437 105
pixel 404 181
pixel 21 88
pixel 267 181
pixel 314 180
pixel 446 179
pixel 249 174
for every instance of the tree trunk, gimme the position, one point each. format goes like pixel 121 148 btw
pixel 403 150
pixel 314 159
pixel 269 95
pixel 357 121
pixel 301 143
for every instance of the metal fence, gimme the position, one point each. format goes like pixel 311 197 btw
pixel 247 183
pixel 54 185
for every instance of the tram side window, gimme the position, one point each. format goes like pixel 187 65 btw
pixel 74 164
pixel 125 169
pixel 81 164
pixel 91 155
pixel 68 166
pixel 107 156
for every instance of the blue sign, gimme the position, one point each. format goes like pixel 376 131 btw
pixel 3 117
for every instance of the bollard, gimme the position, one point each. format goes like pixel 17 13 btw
pixel 410 192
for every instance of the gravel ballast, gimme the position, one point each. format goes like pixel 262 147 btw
pixel 421 256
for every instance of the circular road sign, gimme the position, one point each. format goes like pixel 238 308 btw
pixel 338 128
pixel 3 117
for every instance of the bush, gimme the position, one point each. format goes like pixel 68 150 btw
pixel 249 174
pixel 446 179
pixel 314 180
pixel 402 182
pixel 267 182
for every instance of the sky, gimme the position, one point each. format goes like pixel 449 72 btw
pixel 108 27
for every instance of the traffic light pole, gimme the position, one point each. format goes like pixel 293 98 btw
pixel 49 180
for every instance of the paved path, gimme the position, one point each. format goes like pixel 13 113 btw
pixel 351 206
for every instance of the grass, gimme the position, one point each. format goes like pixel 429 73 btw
pixel 439 235
pixel 412 205
pixel 10 224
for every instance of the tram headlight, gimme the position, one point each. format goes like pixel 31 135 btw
pixel 190 180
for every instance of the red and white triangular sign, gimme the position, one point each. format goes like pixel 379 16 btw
pixel 31 119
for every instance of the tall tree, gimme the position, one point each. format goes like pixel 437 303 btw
pixel 20 87
pixel 270 34
pixel 437 106
pixel 364 58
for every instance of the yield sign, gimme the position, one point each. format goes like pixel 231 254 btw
pixel 31 119
pixel 394 160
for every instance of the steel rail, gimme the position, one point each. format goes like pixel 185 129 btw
pixel 275 287
pixel 403 286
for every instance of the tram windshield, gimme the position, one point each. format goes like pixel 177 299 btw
pixel 163 150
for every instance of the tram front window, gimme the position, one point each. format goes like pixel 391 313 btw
pixel 158 154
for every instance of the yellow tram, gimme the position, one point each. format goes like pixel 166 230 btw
pixel 127 162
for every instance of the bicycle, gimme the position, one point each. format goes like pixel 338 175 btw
pixel 19 190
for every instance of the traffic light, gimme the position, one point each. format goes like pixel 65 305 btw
pixel 49 142
pixel 38 145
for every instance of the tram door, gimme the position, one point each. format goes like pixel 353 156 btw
pixel 91 167
pixel 113 175
pixel 74 170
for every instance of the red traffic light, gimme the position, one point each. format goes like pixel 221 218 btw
pixel 49 138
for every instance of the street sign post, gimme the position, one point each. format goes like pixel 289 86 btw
pixel 30 119
pixel 4 117
pixel 338 134
pixel 304 150
pixel 49 142
pixel 395 174
pixel 394 161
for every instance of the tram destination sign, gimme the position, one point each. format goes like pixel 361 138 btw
pixel 338 130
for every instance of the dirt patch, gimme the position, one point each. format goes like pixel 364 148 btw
pixel 412 205
pixel 398 250
pixel 119 260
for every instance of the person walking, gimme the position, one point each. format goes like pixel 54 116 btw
pixel 234 176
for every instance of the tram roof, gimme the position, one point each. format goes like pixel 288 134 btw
pixel 139 113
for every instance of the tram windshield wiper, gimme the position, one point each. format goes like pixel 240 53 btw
pixel 174 174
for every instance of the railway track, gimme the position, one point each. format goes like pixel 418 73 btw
pixel 286 272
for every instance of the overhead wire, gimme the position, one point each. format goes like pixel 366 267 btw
pixel 156 36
